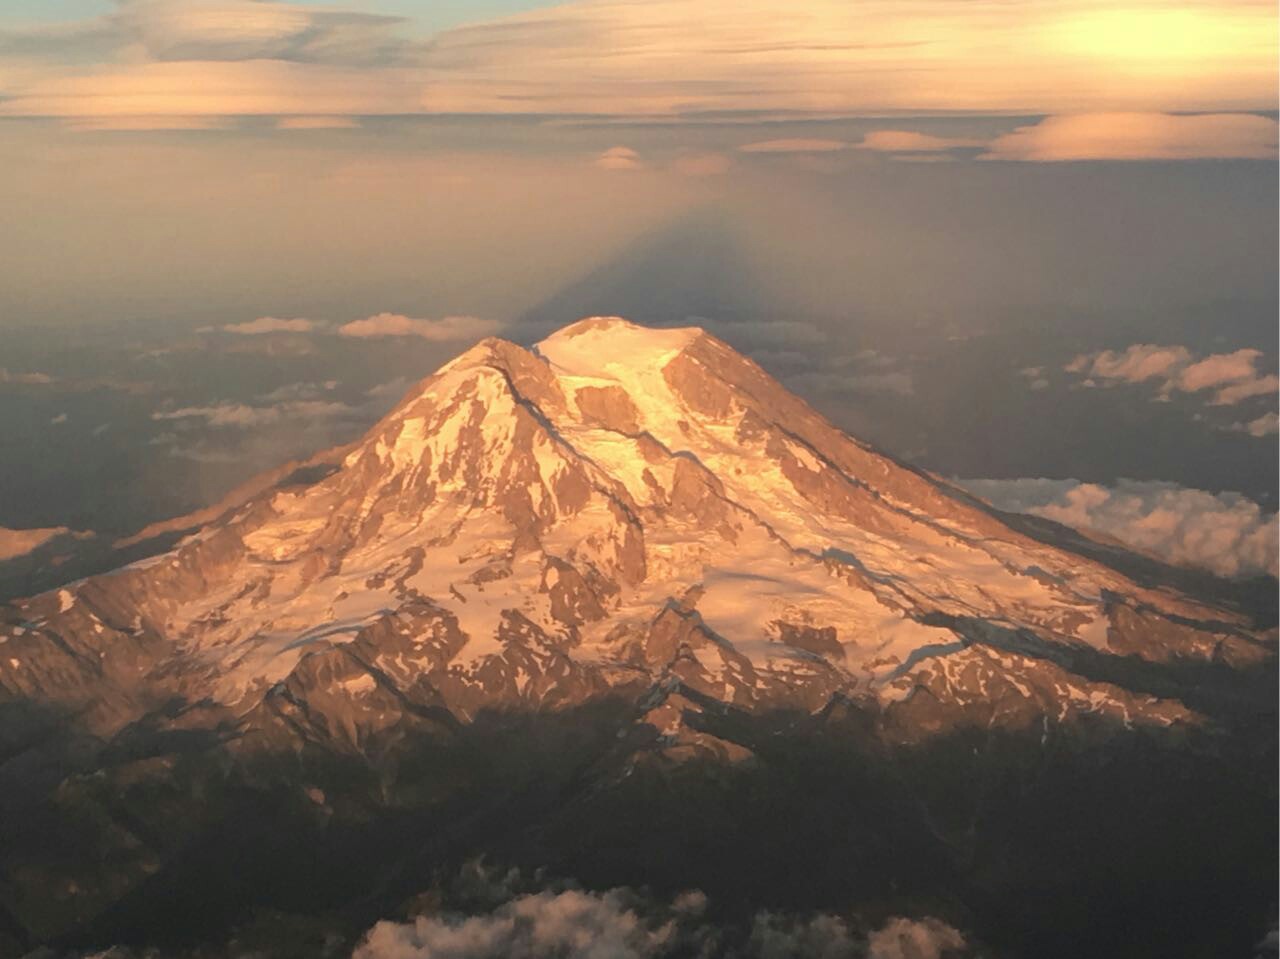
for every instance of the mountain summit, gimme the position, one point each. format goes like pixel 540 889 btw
pixel 603 605
pixel 617 508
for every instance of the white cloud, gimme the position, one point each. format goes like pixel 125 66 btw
pixel 619 158
pixel 445 330
pixel 270 324
pixel 1224 533
pixel 1140 136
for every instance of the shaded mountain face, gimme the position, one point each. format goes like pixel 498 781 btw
pixel 646 564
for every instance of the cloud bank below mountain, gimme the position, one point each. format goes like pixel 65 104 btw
pixel 1224 533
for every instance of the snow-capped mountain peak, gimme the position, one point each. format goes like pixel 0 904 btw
pixel 612 511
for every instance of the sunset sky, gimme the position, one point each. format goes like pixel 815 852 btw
pixel 1008 240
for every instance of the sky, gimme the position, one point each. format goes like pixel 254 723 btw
pixel 1030 241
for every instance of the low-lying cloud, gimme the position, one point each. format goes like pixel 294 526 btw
pixel 623 924
pixel 1226 378
pixel 1224 533
pixel 1139 136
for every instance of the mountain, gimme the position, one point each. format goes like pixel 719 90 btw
pixel 609 574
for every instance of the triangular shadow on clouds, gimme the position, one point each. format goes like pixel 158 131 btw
pixel 689 269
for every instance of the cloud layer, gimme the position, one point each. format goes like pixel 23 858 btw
pixel 621 924
pixel 181 58
pixel 1224 533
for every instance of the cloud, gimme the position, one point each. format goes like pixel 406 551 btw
pixel 908 141
pixel 619 158
pixel 546 925
pixel 914 939
pixel 19 542
pixel 1135 364
pixel 243 416
pixel 229 58
pixel 569 923
pixel 1139 136
pixel 132 95
pixel 228 30
pixel 1243 390
pixel 1268 424
pixel 1224 533
pixel 794 145
pixel 1234 375
pixel 916 55
pixel 446 330
pixel 270 324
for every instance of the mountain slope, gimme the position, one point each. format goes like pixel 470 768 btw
pixel 629 550
pixel 616 505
